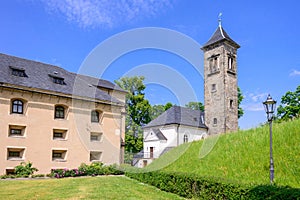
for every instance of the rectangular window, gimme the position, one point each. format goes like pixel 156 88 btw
pixel 213 87
pixel 59 155
pixel 231 103
pixel 59 134
pixel 15 153
pixel 96 137
pixel 215 121
pixel 16 130
pixel 95 156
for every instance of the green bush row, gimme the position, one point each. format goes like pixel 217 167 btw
pixel 195 186
pixel 94 169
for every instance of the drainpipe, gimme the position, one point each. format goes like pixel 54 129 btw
pixel 178 135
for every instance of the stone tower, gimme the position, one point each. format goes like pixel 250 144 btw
pixel 220 83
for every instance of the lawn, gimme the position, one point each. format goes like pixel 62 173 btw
pixel 102 187
pixel 242 157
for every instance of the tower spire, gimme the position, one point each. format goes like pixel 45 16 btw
pixel 220 19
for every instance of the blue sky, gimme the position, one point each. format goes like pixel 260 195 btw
pixel 65 32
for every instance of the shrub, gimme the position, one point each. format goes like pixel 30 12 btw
pixel 94 169
pixel 25 169
pixel 195 186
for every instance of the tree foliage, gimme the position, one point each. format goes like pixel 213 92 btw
pixel 138 111
pixel 240 99
pixel 195 106
pixel 158 109
pixel 290 107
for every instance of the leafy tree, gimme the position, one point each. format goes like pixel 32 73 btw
pixel 290 107
pixel 138 112
pixel 168 105
pixel 157 110
pixel 195 105
pixel 240 99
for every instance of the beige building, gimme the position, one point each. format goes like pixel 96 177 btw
pixel 57 119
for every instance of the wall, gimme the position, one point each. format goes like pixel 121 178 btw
pixel 39 121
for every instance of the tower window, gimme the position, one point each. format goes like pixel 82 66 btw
pixel 213 88
pixel 230 63
pixel 231 103
pixel 214 64
pixel 215 121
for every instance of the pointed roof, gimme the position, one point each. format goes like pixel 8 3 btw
pixel 181 116
pixel 220 35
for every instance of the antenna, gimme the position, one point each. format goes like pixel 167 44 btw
pixel 220 19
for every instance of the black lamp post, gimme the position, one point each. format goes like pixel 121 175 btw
pixel 269 106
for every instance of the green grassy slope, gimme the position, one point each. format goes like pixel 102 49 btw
pixel 242 156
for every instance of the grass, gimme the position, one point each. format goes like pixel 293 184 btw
pixel 104 187
pixel 242 156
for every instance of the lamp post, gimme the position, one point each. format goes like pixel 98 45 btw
pixel 269 106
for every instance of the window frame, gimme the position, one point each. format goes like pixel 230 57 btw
pixel 61 152
pixel 59 114
pixel 19 105
pixel 185 138
pixel 95 116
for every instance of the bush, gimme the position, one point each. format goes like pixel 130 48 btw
pixel 25 169
pixel 94 169
pixel 195 186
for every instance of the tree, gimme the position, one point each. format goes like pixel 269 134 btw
pixel 157 110
pixel 240 99
pixel 138 112
pixel 290 107
pixel 195 105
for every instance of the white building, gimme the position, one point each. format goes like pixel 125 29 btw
pixel 175 126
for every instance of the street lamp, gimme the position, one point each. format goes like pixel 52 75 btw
pixel 269 106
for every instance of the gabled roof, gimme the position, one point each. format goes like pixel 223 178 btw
pixel 159 134
pixel 40 76
pixel 181 116
pixel 220 35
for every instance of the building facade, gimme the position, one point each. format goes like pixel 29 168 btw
pixel 220 83
pixel 57 119
pixel 172 128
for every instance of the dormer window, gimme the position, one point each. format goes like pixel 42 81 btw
pixel 57 79
pixel 20 72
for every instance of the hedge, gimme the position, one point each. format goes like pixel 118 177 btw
pixel 195 186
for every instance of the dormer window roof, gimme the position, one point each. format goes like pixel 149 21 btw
pixel 57 79
pixel 16 71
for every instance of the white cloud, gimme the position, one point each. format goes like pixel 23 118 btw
pixel 253 101
pixel 295 73
pixel 257 97
pixel 105 13
pixel 253 107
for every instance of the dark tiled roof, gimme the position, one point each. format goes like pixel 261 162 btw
pixel 220 35
pixel 179 115
pixel 39 76
pixel 159 134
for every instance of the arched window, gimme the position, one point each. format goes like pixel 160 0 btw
pixel 185 139
pixel 94 116
pixel 17 106
pixel 59 112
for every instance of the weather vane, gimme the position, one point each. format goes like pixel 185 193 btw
pixel 220 19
